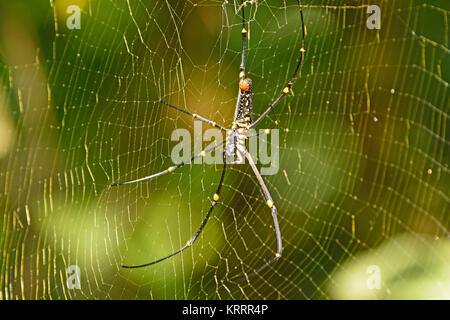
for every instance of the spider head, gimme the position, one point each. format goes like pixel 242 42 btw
pixel 245 84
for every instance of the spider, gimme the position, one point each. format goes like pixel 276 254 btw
pixel 235 143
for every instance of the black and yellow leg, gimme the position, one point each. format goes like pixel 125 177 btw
pixel 205 220
pixel 271 205
pixel 195 116
pixel 287 89
pixel 170 169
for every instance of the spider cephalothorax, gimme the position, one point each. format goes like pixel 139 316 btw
pixel 235 150
pixel 245 85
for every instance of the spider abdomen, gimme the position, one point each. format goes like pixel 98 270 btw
pixel 245 106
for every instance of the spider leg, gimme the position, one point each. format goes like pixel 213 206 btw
pixel 270 204
pixel 244 41
pixel 266 131
pixel 170 169
pixel 192 240
pixel 195 116
pixel 287 89
pixel 244 44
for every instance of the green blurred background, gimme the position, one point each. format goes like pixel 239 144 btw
pixel 364 149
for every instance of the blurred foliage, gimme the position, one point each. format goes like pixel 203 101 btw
pixel 408 269
pixel 363 149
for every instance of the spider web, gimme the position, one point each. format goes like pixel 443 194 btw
pixel 364 149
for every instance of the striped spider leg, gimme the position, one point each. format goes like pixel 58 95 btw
pixel 235 144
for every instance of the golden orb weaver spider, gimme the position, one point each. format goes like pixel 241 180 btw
pixel 235 142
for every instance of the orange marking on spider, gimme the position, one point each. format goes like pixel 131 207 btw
pixel 244 85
